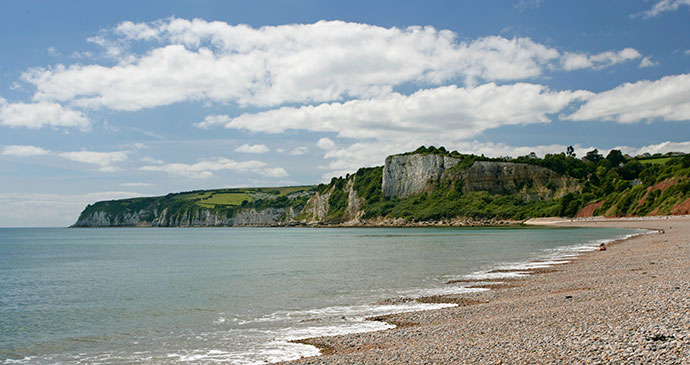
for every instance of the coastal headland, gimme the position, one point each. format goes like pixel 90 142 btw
pixel 627 304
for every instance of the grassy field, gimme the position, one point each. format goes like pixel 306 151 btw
pixel 235 196
pixel 657 161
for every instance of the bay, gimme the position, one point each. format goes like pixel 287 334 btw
pixel 235 295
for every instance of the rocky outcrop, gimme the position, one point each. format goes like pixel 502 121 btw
pixel 316 208
pixel 354 210
pixel 405 175
pixel 530 181
pixel 103 219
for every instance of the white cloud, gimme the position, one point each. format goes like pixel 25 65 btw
pixel 204 169
pixel 24 151
pixel 273 172
pixel 575 61
pixel 662 147
pixel 662 6
pixel 49 209
pixel 105 160
pixel 152 160
pixel 325 144
pixel 299 151
pixel 647 62
pixel 255 148
pixel 665 99
pixel 448 111
pixel 298 63
pixel 37 115
pixel 687 52
pixel 212 120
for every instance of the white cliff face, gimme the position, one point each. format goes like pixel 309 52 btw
pixel 354 204
pixel 201 218
pixel 317 208
pixel 405 175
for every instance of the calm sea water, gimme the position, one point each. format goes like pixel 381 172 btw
pixel 235 295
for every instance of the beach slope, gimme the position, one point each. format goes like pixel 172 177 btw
pixel 630 303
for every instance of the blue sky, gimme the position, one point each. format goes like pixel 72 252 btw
pixel 106 100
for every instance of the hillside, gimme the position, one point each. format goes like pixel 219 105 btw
pixel 429 186
pixel 220 207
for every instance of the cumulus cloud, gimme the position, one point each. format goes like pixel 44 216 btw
pixel 299 151
pixel 575 61
pixel 647 62
pixel 666 99
pixel 255 148
pixel 212 120
pixel 297 63
pixel 456 113
pixel 204 169
pixel 398 123
pixel 662 147
pixel 24 151
pixel 325 143
pixel 37 115
pixel 662 6
pixel 105 160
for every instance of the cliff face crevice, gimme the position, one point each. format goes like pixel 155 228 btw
pixel 317 206
pixel 354 211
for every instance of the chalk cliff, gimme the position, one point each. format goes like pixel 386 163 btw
pixel 432 186
pixel 409 174
pixel 405 175
pixel 197 218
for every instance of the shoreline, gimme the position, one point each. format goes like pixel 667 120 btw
pixel 584 307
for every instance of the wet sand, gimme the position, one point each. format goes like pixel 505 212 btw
pixel 628 304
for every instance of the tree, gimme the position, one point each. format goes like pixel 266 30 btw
pixel 615 157
pixel 594 156
pixel 570 151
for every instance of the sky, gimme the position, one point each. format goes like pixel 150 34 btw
pixel 108 100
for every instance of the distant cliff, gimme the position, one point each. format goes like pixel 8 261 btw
pixel 208 208
pixel 427 186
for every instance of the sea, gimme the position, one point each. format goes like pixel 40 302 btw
pixel 239 295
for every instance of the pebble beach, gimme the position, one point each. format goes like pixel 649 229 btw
pixel 628 304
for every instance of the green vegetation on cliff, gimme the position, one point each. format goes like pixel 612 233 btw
pixel 220 202
pixel 460 186
pixel 622 186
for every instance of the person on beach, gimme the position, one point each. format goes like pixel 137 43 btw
pixel 602 247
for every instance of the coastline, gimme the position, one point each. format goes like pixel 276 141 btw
pixel 628 303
